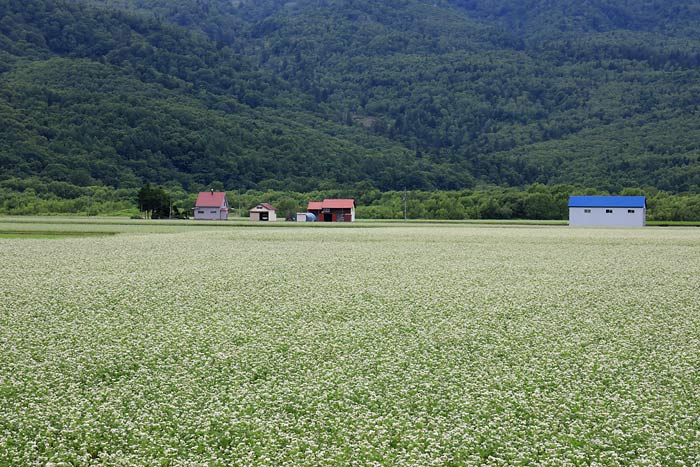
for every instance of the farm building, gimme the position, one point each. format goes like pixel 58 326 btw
pixel 211 205
pixel 614 211
pixel 333 210
pixel 263 212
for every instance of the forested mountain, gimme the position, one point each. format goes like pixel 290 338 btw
pixel 313 94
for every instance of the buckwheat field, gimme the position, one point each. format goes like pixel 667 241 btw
pixel 425 345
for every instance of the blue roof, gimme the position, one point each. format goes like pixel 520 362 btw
pixel 607 202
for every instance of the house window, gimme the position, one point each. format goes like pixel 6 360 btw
pixel 587 211
pixel 200 212
pixel 630 211
pixel 608 211
pixel 212 212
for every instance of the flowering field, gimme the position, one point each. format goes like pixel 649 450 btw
pixel 391 345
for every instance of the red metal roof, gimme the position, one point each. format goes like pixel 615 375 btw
pixel 331 204
pixel 211 199
pixel 338 203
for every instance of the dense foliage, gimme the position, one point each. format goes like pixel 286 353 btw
pixel 156 203
pixel 328 94
pixel 537 202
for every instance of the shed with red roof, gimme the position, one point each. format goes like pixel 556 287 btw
pixel 211 205
pixel 333 210
pixel 263 212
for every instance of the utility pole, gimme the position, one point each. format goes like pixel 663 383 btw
pixel 404 203
pixel 89 206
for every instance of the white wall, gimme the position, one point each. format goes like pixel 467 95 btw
pixel 256 216
pixel 620 217
pixel 210 214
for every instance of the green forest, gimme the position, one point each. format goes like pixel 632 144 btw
pixel 535 202
pixel 486 103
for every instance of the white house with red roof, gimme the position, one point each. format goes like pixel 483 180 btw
pixel 263 212
pixel 211 205
pixel 333 210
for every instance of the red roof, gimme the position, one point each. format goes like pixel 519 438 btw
pixel 331 204
pixel 211 199
pixel 265 206
pixel 338 203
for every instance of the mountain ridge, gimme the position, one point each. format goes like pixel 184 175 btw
pixel 310 94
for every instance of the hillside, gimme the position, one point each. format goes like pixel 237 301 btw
pixel 316 94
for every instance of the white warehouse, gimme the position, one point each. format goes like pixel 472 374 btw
pixel 611 211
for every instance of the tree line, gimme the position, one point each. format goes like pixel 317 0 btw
pixel 535 202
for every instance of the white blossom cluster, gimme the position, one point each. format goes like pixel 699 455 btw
pixel 448 345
